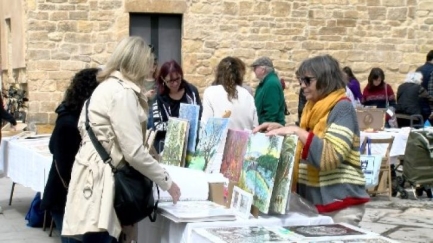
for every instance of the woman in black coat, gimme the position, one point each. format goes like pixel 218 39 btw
pixel 64 144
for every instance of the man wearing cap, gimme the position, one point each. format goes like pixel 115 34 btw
pixel 269 97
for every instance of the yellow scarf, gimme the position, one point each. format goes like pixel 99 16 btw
pixel 314 119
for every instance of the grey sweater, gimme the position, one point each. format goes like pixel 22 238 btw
pixel 330 173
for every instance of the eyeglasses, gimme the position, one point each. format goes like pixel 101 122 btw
pixel 172 81
pixel 306 80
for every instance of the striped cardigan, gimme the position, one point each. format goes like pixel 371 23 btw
pixel 330 173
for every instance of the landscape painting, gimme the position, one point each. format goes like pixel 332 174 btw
pixel 283 179
pixel 259 168
pixel 191 113
pixel 247 234
pixel 210 148
pixel 234 152
pixel 174 143
pixel 333 230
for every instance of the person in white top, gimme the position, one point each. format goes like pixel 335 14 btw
pixel 227 98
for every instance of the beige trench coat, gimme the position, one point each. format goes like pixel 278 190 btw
pixel 118 117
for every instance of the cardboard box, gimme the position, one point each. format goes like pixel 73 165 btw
pixel 371 119
pixel 216 193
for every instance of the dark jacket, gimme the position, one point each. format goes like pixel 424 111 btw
pixel 5 115
pixel 165 107
pixel 269 100
pixel 64 144
pixel 426 70
pixel 413 99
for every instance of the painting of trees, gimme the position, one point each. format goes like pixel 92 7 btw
pixel 174 143
pixel 234 152
pixel 190 112
pixel 259 168
pixel 283 179
pixel 211 136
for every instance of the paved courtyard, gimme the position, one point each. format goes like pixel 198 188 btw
pixel 402 220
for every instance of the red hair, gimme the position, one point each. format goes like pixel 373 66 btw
pixel 169 68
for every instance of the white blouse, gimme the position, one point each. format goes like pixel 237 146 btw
pixel 243 109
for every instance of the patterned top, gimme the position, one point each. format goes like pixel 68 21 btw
pixel 330 173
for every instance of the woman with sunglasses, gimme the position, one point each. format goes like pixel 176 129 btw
pixel 327 168
pixel 172 90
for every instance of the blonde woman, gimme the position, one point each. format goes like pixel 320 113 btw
pixel 117 113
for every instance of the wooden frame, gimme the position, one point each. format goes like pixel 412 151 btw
pixel 385 180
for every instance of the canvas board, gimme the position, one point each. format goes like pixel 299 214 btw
pixel 174 143
pixel 283 180
pixel 234 152
pixel 259 168
pixel 191 113
pixel 210 148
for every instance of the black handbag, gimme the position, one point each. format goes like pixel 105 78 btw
pixel 133 191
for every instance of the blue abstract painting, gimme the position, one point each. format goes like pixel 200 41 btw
pixel 191 113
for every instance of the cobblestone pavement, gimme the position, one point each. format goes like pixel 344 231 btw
pixel 402 220
pixel 408 220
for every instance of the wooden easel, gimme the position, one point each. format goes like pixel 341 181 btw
pixel 385 181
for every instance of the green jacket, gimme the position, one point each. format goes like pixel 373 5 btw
pixel 269 100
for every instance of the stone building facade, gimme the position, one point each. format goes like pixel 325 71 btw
pixel 44 42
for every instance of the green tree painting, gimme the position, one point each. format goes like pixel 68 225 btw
pixel 259 168
pixel 283 179
pixel 174 143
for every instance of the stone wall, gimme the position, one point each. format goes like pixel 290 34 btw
pixel 392 34
pixel 64 36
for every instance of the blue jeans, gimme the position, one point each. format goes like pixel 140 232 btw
pixel 58 220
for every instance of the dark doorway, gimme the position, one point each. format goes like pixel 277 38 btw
pixel 163 31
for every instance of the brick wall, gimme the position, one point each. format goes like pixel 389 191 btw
pixel 64 36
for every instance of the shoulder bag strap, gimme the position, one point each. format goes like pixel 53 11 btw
pixel 65 185
pixel 98 146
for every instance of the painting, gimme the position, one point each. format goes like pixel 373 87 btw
pixel 334 230
pixel 252 234
pixel 174 143
pixel 283 179
pixel 241 202
pixel 259 168
pixel 191 113
pixel 234 152
pixel 210 148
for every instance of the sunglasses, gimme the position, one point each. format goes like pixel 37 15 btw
pixel 306 80
pixel 172 81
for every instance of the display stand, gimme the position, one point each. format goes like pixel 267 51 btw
pixel 385 181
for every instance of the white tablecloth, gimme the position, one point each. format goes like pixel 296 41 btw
pixel 26 161
pixel 398 147
pixel 166 231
